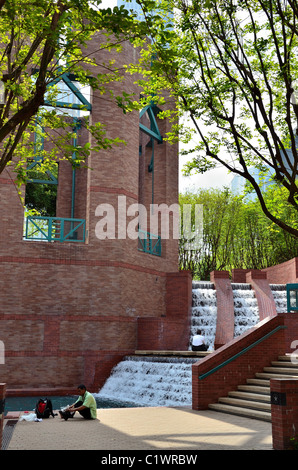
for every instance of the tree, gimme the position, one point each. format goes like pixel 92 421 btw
pixel 232 66
pixel 220 219
pixel 41 41
pixel 236 233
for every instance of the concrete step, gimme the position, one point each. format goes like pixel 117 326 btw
pixel 287 364
pixel 240 411
pixel 172 353
pixel 281 370
pixel 259 382
pixel 254 389
pixel 268 376
pixel 250 396
pixel 288 357
pixel 253 398
pixel 255 405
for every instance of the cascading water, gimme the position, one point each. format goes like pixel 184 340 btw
pixel 280 297
pixel 156 381
pixel 204 312
pixel 246 309
pixel 150 381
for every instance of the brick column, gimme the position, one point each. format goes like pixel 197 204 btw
pixel 225 308
pixel 284 412
pixel 263 293
pixel 179 295
pixel 2 399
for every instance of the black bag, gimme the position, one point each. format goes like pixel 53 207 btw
pixel 44 409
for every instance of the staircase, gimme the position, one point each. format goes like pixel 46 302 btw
pixel 253 399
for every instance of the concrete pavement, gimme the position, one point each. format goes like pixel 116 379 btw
pixel 151 429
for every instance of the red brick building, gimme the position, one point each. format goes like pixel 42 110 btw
pixel 70 311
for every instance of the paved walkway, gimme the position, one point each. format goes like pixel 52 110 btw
pixel 150 429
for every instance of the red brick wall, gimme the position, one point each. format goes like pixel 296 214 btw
pixel 283 273
pixel 263 293
pixel 68 312
pixel 284 415
pixel 239 275
pixel 238 367
pixel 225 308
pixel 172 330
pixel 291 332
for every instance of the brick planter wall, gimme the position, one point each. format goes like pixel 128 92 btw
pixel 237 367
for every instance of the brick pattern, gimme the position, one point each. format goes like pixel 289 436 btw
pixel 238 367
pixel 69 312
pixel 285 414
pixel 283 273
pixel 172 331
pixel 263 293
pixel 225 308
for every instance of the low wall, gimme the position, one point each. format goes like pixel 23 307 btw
pixel 283 273
pixel 229 366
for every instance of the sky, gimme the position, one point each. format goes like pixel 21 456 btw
pixel 217 178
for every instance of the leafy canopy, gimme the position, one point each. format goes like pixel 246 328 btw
pixel 41 42
pixel 232 68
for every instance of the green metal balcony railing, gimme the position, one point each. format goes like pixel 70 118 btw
pixel 55 229
pixel 149 243
pixel 292 298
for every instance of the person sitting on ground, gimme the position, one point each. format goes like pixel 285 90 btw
pixel 198 342
pixel 85 405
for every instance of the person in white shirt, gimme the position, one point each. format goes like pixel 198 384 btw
pixel 198 342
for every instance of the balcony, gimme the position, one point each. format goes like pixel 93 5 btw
pixel 149 243
pixel 55 229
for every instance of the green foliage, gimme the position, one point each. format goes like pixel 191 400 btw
pixel 294 443
pixel 41 197
pixel 236 233
pixel 232 68
pixel 41 41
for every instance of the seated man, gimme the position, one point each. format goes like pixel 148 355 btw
pixel 85 405
pixel 198 342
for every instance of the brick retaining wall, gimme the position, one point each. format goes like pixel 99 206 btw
pixel 237 366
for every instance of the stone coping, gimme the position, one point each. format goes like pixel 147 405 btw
pixel 36 392
pixel 172 353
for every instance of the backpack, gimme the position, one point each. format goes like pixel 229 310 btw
pixel 44 408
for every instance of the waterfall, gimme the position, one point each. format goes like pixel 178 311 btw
pixel 150 381
pixel 167 381
pixel 246 309
pixel 204 312
pixel 280 297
